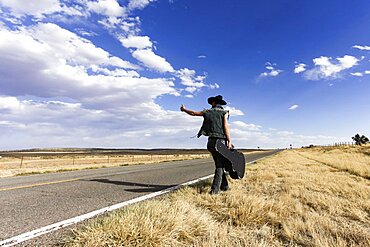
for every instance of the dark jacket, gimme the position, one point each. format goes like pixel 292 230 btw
pixel 213 122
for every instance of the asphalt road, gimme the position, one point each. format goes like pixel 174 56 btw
pixel 31 202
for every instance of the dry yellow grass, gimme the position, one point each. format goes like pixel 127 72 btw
pixel 285 200
pixel 11 166
pixel 354 159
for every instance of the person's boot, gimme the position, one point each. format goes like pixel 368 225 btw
pixel 224 184
pixel 226 188
pixel 214 192
pixel 217 180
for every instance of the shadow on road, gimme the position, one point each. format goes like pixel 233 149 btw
pixel 146 187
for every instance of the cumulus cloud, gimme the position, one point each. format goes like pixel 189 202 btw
pixel 106 7
pixel 192 81
pixel 362 47
pixel 151 60
pixel 138 42
pixel 233 111
pixel 60 124
pixel 245 126
pixel 73 48
pixel 9 103
pixel 326 68
pixel 38 9
pixel 138 4
pixel 251 135
pixel 59 89
pixel 299 68
pixel 60 64
pixel 272 71
pixel 35 8
pixel 293 107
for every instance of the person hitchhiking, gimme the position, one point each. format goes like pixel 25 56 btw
pixel 215 126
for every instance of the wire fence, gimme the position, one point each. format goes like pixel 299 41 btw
pixel 24 163
pixel 335 144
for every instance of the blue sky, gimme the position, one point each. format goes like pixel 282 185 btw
pixel 108 73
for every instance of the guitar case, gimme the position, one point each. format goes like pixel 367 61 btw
pixel 236 160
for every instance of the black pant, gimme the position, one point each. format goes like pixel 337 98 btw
pixel 219 180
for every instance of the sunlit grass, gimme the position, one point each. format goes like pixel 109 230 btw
pixel 285 200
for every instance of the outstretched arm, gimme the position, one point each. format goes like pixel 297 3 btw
pixel 190 112
pixel 227 131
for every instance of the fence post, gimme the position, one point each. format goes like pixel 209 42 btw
pixel 73 160
pixel 108 159
pixel 21 162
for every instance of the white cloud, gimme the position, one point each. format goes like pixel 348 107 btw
pixel 252 135
pixel 193 81
pixel 358 74
pixel 214 86
pixel 191 89
pixel 325 68
pixel 284 133
pixel 130 26
pixel 9 103
pixel 57 64
pixel 234 111
pixel 138 4
pixel 293 107
pixel 202 56
pixel 35 8
pixel 39 8
pixel 116 72
pixel 138 42
pixel 84 32
pixel 245 126
pixel 60 124
pixel 106 7
pixel 363 48
pixel 189 78
pixel 152 60
pixel 272 71
pixel 69 46
pixel 59 89
pixel 299 68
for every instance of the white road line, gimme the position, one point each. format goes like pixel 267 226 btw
pixel 59 225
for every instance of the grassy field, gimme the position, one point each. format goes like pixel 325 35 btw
pixel 36 161
pixel 306 197
pixel 41 163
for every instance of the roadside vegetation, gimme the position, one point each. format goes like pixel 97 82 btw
pixel 28 165
pixel 32 163
pixel 305 197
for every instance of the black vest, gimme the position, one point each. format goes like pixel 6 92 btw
pixel 213 123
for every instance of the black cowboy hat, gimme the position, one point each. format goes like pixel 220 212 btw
pixel 218 99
